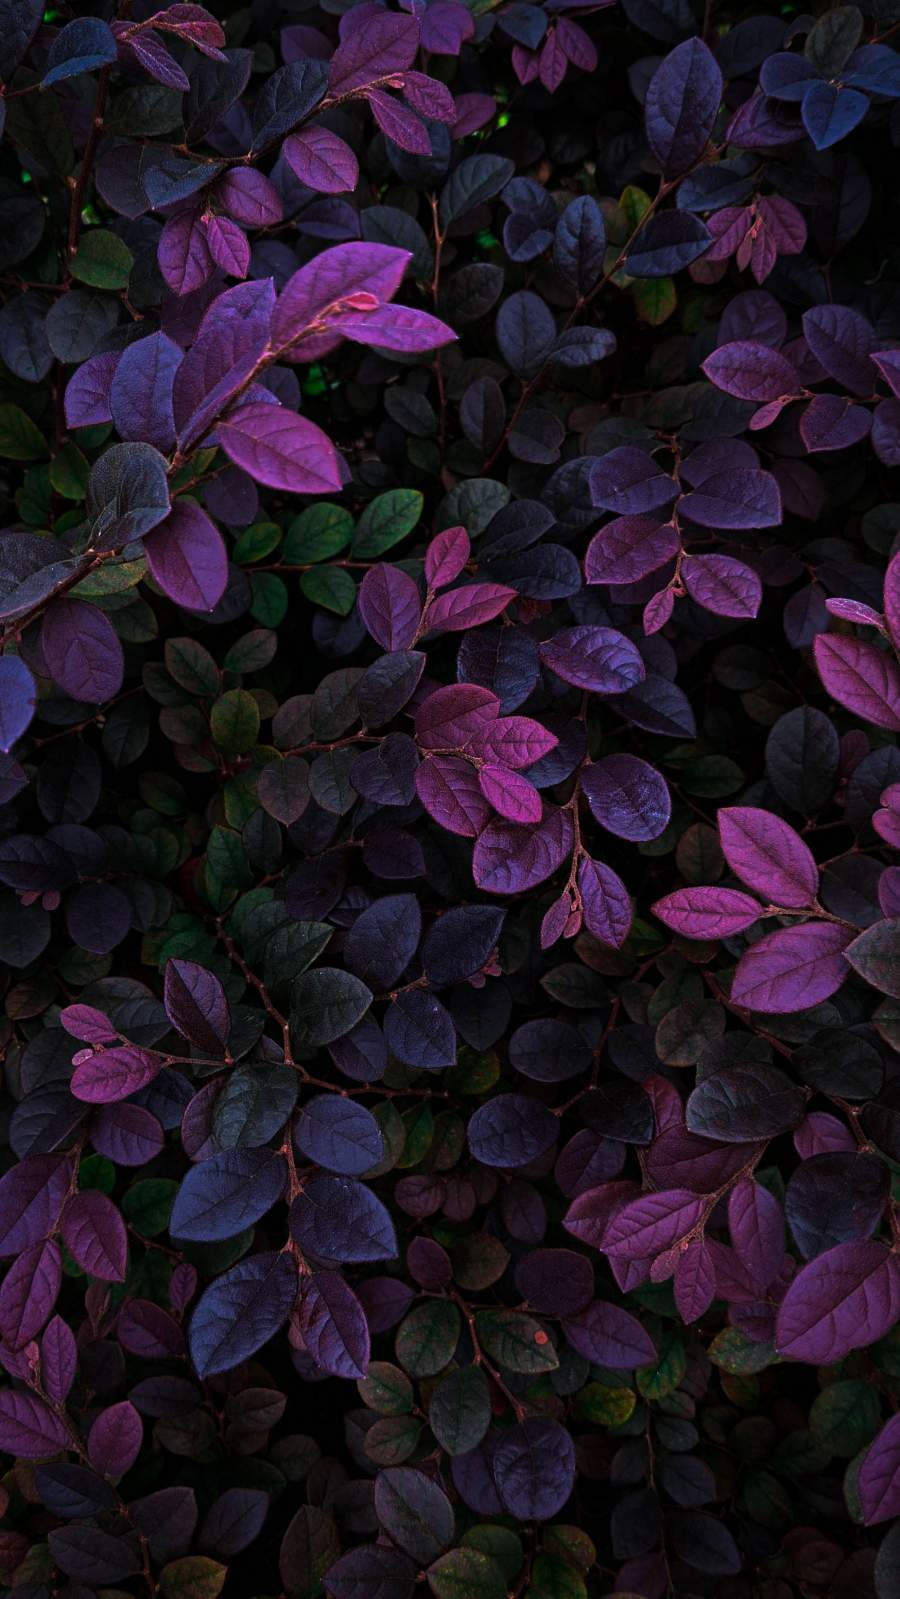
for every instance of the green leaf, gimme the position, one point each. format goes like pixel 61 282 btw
pixel 554 1576
pixel 571 1544
pixel 331 587
pixel 460 1411
pixel 386 1389
pixel 844 1417
pixel 655 299
pixel 192 667
pixel 662 1378
pixel 392 1439
pixel 103 261
pixel 517 1342
pixel 466 1574
pixel 325 1004
pixel 147 1205
pixel 503 1545
pixel 193 1577
pixel 317 534
pixel 385 521
pixel 733 1352
pixel 234 721
pixel 606 1407
pixel 227 867
pixel 253 652
pixel 256 542
pixel 270 599
pixel 427 1338
pixel 20 438
pixel 309 1548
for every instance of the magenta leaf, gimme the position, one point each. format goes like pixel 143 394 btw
pixel 845 1299
pixel 446 556
pixel 769 856
pixel 860 677
pixel 722 585
pixel 187 557
pixel 280 449
pixel 452 717
pixel 332 278
pixel 793 968
pixel 707 913
pixel 113 1074
pixel 385 43
pixel 448 788
pixel 892 600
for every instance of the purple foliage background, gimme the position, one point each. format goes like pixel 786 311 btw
pixel 449 800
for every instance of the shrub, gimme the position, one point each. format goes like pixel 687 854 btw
pixel 449 698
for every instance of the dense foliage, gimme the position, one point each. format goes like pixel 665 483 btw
pixel 449 699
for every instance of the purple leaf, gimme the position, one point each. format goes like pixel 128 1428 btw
pixel 756 1224
pixel 140 395
pixel 240 1311
pixel 333 278
pixel 832 422
pixel 398 123
pixel 59 1357
pixel 394 327
pixel 221 1196
pixel 666 243
pixel 467 607
pixel 722 585
pixel 841 341
pixel 653 1223
pixel 196 1005
pixel 628 797
pixel 87 391
pixel 446 556
pixel 452 717
pixel 339 1134
pixel 629 548
pixel 515 741
pixel 94 1234
pixel 337 1218
pixel 878 1483
pixel 511 859
pixel 510 1130
pixel 322 161
pixel 751 371
pixel 449 790
pixel 333 1324
pixel 534 1469
pixel 280 449
pixel 384 44
pixel 694 1281
pixel 114 1441
pixel 18 700
pixel 28 1293
pixel 707 913
pixel 510 795
pixel 32 1195
pixel 609 1336
pixel 595 658
pixel 187 558
pixel 681 105
pixel 228 246
pixel 27 1428
pixel 793 968
pixel 860 677
pixel 555 1282
pixel 232 337
pixel 746 498
pixel 845 1299
pixel 769 856
pixel 113 1074
pixel 82 651
pixel 892 600
pixel 628 481
pixel 183 253
pixel 390 607
pixel 607 906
